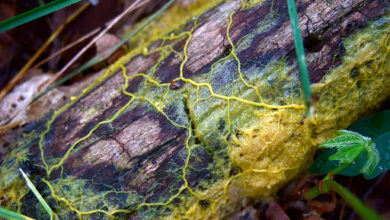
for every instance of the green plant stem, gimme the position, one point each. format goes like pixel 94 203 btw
pixel 7 214
pixel 300 52
pixel 34 14
pixel 362 210
pixel 316 191
pixel 336 171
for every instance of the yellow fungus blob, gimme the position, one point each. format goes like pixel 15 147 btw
pixel 251 121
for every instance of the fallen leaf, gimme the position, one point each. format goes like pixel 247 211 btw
pixel 15 105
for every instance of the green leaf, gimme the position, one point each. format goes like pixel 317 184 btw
pixel 377 127
pixel 347 154
pixel 350 146
pixel 34 14
pixel 372 160
pixel 346 138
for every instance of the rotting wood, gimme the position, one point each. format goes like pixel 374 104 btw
pixel 140 155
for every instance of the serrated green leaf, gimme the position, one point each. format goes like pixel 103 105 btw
pixel 355 135
pixel 350 146
pixel 347 154
pixel 346 138
pixel 377 127
pixel 372 160
pixel 342 141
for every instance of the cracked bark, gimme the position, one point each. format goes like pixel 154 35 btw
pixel 141 142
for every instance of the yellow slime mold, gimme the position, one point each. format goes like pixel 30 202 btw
pixel 254 125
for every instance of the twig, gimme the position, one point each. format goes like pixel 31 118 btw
pixel 132 7
pixel 62 50
pixel 5 128
pixel 27 66
pixel 99 58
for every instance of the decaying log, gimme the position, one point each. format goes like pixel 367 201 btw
pixel 162 144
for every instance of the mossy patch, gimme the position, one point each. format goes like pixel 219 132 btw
pixel 246 131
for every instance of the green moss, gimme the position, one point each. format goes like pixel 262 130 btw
pixel 81 198
pixel 270 147
pixel 12 185
pixel 248 122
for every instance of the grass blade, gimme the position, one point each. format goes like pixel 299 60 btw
pixel 292 11
pixel 7 214
pixel 38 195
pixel 34 14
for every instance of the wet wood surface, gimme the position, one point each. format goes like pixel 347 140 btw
pixel 143 143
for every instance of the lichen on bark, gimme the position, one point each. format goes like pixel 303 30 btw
pixel 191 128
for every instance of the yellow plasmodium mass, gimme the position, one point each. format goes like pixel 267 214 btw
pixel 271 151
pixel 276 144
pixel 284 139
pixel 12 185
pixel 254 122
pixel 251 121
pixel 359 84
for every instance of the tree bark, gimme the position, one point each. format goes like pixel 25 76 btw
pixel 109 151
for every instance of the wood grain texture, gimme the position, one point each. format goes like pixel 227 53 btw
pixel 141 147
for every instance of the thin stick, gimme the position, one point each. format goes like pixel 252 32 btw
pixel 5 128
pixel 27 66
pixel 97 58
pixel 132 7
pixel 62 50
